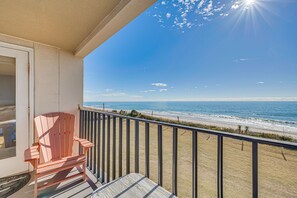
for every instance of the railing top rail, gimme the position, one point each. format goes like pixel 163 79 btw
pixel 290 145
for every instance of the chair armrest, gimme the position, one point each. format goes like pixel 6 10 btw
pixel 31 153
pixel 84 143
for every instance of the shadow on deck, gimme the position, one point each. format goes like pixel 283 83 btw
pixel 75 187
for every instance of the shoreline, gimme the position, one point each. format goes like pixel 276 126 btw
pixel 216 123
pixel 252 129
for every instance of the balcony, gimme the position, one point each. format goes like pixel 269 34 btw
pixel 188 161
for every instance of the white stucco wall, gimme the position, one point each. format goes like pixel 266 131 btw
pixel 58 78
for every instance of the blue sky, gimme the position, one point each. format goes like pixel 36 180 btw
pixel 199 50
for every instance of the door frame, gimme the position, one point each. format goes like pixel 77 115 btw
pixel 31 88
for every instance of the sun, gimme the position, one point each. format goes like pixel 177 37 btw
pixel 250 12
pixel 249 2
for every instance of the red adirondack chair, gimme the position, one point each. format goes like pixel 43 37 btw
pixel 54 152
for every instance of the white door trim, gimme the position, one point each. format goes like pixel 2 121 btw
pixel 31 86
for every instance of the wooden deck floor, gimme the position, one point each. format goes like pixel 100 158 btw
pixel 74 188
pixel 132 185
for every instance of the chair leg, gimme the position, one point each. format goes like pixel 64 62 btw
pixel 85 171
pixel 35 184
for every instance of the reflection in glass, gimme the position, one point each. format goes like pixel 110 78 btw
pixel 7 107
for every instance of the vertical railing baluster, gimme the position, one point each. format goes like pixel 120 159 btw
pixel 103 148
pixel 136 146
pixel 174 160
pixel 220 167
pixel 91 140
pixel 255 169
pixel 98 146
pixel 88 136
pixel 114 147
pixel 147 149
pixel 120 145
pixel 95 143
pixel 194 164
pixel 80 128
pixel 127 146
pixel 160 156
pixel 85 125
pixel 108 149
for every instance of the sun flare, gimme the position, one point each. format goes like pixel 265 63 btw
pixel 250 2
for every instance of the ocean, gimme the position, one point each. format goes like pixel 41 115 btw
pixel 271 116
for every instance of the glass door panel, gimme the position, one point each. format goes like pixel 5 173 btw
pixel 7 107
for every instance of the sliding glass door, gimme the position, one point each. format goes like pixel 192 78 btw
pixel 13 110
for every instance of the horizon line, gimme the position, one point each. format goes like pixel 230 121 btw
pixel 256 99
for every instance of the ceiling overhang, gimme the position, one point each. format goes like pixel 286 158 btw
pixel 78 26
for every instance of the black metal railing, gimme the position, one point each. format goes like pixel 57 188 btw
pixel 93 127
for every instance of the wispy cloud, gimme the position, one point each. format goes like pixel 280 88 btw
pixel 159 84
pixel 107 90
pixel 162 90
pixel 149 91
pixel 235 6
pixel 113 94
pixel 168 15
pixel 241 60
pixel 260 83
pixel 184 14
pixel 117 96
pixel 201 4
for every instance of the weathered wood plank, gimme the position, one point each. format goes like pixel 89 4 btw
pixel 132 185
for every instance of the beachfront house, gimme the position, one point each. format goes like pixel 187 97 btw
pixel 42 47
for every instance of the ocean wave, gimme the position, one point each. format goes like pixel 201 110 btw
pixel 259 123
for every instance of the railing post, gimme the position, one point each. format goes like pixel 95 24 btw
pixel 108 149
pixel 160 156
pixel 220 167
pixel 174 160
pixel 120 145
pixel 91 140
pixel 98 146
pixel 95 143
pixel 127 146
pixel 81 121
pixel 103 148
pixel 194 164
pixel 136 146
pixel 84 135
pixel 114 147
pixel 255 169
pixel 147 149
pixel 88 136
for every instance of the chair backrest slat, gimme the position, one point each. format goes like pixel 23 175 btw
pixel 55 132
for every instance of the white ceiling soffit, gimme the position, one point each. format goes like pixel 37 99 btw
pixel 78 26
